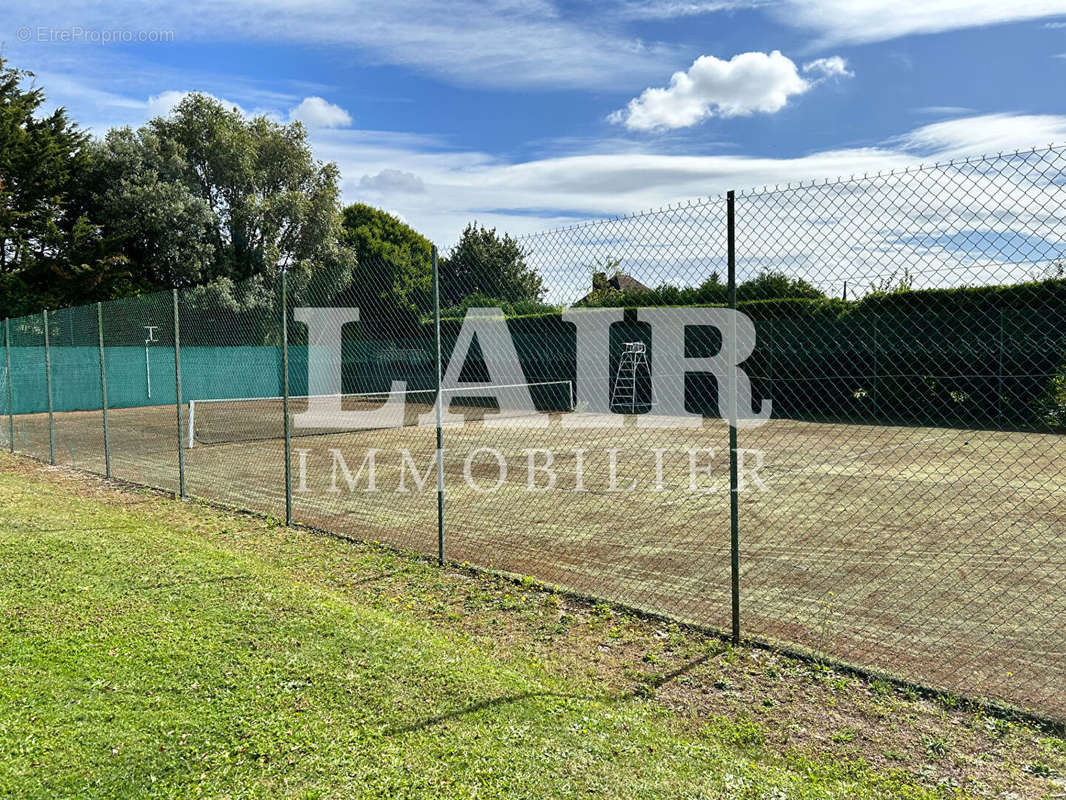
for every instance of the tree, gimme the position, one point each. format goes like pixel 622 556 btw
pixel 392 279
pixel 149 215
pixel 764 286
pixel 894 283
pixel 207 195
pixel 48 245
pixel 776 286
pixel 484 263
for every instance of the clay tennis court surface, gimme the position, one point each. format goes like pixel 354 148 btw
pixel 934 554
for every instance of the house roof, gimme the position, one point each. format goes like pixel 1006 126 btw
pixel 624 283
pixel 619 282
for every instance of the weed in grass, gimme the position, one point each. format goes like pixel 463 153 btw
pixel 645 691
pixel 880 688
pixel 909 693
pixel 840 683
pixel 934 746
pixel 949 702
pixel 1039 769
pixel 741 732
pixel 996 727
pixel 1053 745
pixel 819 672
pixel 844 736
pixel 949 786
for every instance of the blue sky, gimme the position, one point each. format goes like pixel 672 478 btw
pixel 528 113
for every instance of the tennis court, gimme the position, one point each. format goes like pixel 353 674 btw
pixel 902 511
pixel 931 553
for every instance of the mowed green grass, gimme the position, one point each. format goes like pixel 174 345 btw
pixel 144 657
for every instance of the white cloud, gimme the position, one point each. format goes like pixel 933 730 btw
pixel 63 90
pixel 499 43
pixel 944 111
pixel 529 196
pixel 315 112
pixel 673 9
pixel 511 43
pixel 859 21
pixel 595 178
pixel 162 104
pixel 825 68
pixel 748 83
pixel 390 181
pixel 987 133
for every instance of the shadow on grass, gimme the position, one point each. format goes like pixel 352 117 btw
pixel 497 702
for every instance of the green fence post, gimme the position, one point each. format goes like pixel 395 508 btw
pixel 877 388
pixel 285 393
pixel 103 388
pixel 10 388
pixel 771 348
pixel 177 398
pixel 48 384
pixel 440 410
pixel 1000 388
pixel 734 490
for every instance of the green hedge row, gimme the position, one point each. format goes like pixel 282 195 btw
pixel 985 357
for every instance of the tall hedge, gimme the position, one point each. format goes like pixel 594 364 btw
pixel 984 357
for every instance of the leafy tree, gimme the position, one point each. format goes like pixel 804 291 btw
pixel 486 264
pixel 602 270
pixel 150 217
pixel 776 286
pixel 764 286
pixel 207 195
pixel 392 279
pixel 893 284
pixel 48 245
pixel 519 308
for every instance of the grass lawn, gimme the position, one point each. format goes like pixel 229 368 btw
pixel 152 648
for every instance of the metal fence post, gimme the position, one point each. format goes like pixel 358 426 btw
pixel 10 388
pixel 877 388
pixel 999 403
pixel 734 490
pixel 771 349
pixel 48 384
pixel 440 410
pixel 177 398
pixel 285 393
pixel 103 389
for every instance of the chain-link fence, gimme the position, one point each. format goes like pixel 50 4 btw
pixel 890 349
